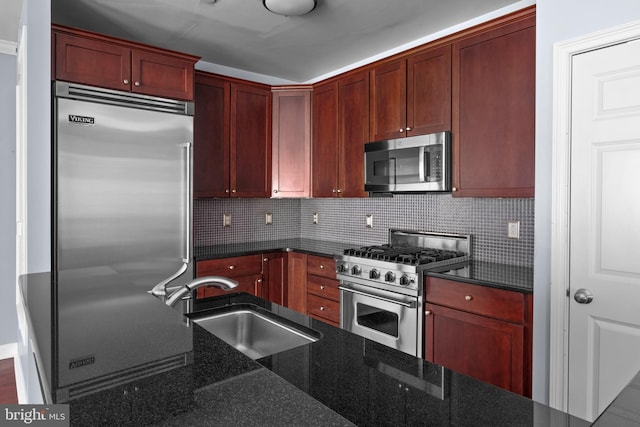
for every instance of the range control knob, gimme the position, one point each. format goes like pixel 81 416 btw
pixel 404 280
pixel 374 274
pixel 356 270
pixel 390 277
pixel 342 268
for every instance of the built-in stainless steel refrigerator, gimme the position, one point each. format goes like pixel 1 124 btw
pixel 122 225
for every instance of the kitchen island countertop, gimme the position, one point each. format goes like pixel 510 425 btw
pixel 342 379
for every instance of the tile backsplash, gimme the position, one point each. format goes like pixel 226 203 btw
pixel 344 220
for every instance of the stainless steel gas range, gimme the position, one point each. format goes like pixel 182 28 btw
pixel 381 286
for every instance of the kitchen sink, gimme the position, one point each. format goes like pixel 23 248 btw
pixel 254 331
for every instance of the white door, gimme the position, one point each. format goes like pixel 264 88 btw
pixel 604 334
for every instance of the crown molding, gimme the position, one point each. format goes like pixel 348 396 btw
pixel 9 48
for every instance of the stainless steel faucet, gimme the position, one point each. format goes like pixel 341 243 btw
pixel 172 296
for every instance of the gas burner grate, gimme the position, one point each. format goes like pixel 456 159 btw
pixel 404 255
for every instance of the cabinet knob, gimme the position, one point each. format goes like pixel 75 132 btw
pixel 259 281
pixel 333 190
pixel 322 308
pixel 233 191
pixel 454 189
pixel 231 267
pixel 339 191
pixel 322 267
pixel 136 83
pixel 321 287
pixel 226 191
pixel 427 313
pixel 408 128
pixel 265 259
pixel 401 130
pixel 125 81
pixel 275 191
pixel 468 298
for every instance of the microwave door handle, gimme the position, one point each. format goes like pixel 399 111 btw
pixel 424 164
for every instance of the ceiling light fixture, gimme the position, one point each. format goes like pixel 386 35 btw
pixel 289 7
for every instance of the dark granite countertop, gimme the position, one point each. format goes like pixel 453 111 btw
pixel 144 376
pixel 503 276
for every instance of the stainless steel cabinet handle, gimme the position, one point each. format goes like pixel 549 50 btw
pixel 583 296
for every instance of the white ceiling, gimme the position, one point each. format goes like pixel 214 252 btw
pixel 243 35
pixel 9 20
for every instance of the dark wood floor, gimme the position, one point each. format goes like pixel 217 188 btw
pixel 8 392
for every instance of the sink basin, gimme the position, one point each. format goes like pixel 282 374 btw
pixel 255 332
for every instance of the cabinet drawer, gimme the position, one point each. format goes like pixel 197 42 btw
pixel 321 266
pixel 323 308
pixel 323 287
pixel 491 302
pixel 231 267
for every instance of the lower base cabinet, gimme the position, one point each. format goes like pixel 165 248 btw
pixel 246 270
pixel 479 331
pixel 323 295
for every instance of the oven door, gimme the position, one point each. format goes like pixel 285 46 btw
pixel 385 317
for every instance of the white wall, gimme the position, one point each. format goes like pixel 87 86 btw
pixel 8 197
pixel 557 20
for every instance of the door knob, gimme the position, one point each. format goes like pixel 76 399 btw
pixel 583 296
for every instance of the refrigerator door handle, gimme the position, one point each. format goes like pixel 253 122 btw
pixel 159 290
pixel 187 202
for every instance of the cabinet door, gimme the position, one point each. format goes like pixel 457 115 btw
pixel 291 144
pixel 494 112
pixel 297 282
pixel 324 166
pixel 389 100
pixel 250 141
pixel 161 75
pixel 354 133
pixel 429 92
pixel 211 137
pixel 487 349
pixel 92 62
pixel 274 272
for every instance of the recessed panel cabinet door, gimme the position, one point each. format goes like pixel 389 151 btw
pixel 324 179
pixel 250 141
pixel 388 107
pixel 211 137
pixel 161 75
pixel 493 142
pixel 92 62
pixel 484 348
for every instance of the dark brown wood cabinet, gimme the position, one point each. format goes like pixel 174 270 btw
pixel 247 270
pixel 291 142
pixel 340 130
pixel 493 143
pixel 274 277
pixel 297 282
pixel 479 331
pixel 92 59
pixel 232 138
pixel 411 95
pixel 323 295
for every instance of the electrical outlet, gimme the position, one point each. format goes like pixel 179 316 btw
pixel 513 229
pixel 315 217
pixel 369 221
pixel 226 220
pixel 268 218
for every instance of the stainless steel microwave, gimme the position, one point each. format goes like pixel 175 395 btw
pixel 414 164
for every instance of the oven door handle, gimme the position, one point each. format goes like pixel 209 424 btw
pixel 366 294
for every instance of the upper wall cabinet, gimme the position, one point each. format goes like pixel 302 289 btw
pixel 411 95
pixel 340 130
pixel 232 138
pixel 291 143
pixel 494 112
pixel 92 59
